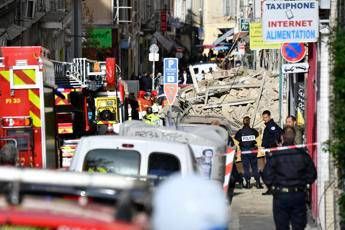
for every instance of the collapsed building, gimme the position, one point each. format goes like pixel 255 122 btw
pixel 232 94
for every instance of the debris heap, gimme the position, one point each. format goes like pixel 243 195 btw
pixel 233 94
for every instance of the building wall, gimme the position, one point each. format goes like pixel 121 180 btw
pixel 97 12
pixel 14 15
pixel 214 18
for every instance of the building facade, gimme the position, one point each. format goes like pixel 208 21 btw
pixel 37 22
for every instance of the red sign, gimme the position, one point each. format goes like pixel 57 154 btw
pixel 293 52
pixel 110 71
pixel 170 91
pixel 164 24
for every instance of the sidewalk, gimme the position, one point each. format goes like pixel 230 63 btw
pixel 250 210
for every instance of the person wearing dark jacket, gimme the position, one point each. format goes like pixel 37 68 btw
pixel 247 141
pixel 134 106
pixel 272 132
pixel 288 173
pixel 271 136
pixel 145 83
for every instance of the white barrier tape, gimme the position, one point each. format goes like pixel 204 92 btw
pixel 272 149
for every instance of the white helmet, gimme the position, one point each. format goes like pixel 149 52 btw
pixel 191 203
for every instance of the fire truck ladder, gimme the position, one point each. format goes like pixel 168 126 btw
pixel 65 75
pixel 92 73
pixel 81 72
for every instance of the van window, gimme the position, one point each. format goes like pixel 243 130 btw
pixel 117 161
pixel 163 164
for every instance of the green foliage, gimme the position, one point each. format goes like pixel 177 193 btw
pixel 337 145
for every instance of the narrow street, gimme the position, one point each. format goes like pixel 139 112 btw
pixel 144 114
pixel 250 210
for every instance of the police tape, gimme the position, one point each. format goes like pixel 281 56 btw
pixel 262 150
pixel 229 161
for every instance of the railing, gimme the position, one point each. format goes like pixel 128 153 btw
pixel 81 72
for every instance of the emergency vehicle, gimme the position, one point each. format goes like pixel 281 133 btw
pixel 27 87
pixel 45 104
pixel 76 200
pixel 86 106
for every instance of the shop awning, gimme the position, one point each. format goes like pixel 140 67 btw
pixel 223 37
pixel 167 43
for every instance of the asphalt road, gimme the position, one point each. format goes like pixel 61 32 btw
pixel 250 210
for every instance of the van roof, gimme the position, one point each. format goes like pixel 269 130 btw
pixel 133 129
pixel 106 141
pixel 105 138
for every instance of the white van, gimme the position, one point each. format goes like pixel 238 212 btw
pixel 132 156
pixel 206 144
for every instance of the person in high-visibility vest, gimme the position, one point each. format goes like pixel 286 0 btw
pixel 150 118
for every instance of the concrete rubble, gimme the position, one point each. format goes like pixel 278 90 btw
pixel 233 94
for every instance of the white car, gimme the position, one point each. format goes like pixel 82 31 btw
pixel 132 156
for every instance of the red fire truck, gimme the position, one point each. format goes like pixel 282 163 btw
pixel 45 105
pixel 27 117
pixel 85 105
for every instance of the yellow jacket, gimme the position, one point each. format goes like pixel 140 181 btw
pixel 151 119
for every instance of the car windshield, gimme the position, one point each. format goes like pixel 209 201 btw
pixel 117 161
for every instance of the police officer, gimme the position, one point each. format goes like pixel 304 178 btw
pixel 288 173
pixel 272 132
pixel 271 136
pixel 247 141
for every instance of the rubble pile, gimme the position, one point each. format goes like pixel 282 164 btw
pixel 233 94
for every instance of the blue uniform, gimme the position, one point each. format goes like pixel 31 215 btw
pixel 247 141
pixel 288 172
pixel 272 135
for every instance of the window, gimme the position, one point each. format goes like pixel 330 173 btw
pixel 117 161
pixel 30 8
pixel 163 164
pixel 123 11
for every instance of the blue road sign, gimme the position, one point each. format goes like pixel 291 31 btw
pixel 293 52
pixel 170 70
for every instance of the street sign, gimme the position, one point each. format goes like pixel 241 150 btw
pixel 154 48
pixel 153 56
pixel 295 68
pixel 255 38
pixel 244 25
pixel 179 55
pixel 293 52
pixel 290 21
pixel 170 79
